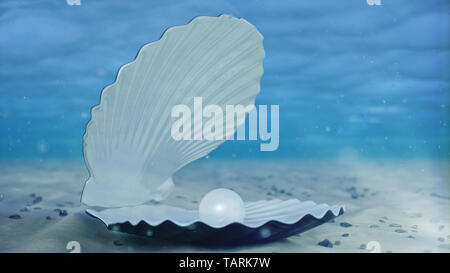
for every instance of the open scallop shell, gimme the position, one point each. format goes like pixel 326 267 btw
pixel 128 147
pixel 265 220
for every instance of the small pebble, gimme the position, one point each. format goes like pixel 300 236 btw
pixel 441 239
pixel 345 235
pixel 289 193
pixel 48 218
pixel 63 212
pixel 24 209
pixel 345 224
pixel 326 243
pixel 37 208
pixel 381 221
pixel 15 216
pixel 355 195
pixel 395 225
pixel 37 200
pixel 411 237
pixel 337 243
pixel 118 243
pixel 374 226
pixel 351 189
pixel 441 227
pixel 33 195
pixel 384 217
pixel 400 230
pixel 362 246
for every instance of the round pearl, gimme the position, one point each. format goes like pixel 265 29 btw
pixel 221 207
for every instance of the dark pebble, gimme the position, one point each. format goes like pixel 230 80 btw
pixel 15 216
pixel 411 237
pixel 274 188
pixel 440 196
pixel 351 189
pixel 381 221
pixel 282 191
pixel 345 224
pixel 362 246
pixel 345 235
pixel 338 243
pixel 355 195
pixel 63 212
pixel 118 243
pixel 395 225
pixel 195 202
pixel 37 200
pixel 48 218
pixel 326 243
pixel 33 195
pixel 24 210
pixel 289 194
pixel 180 197
pixel 400 230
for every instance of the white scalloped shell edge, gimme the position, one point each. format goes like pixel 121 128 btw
pixel 256 213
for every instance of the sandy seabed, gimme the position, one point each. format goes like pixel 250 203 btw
pixel 403 205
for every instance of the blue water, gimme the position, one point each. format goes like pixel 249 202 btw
pixel 350 78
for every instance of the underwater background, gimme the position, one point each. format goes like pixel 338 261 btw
pixel 363 91
pixel 351 79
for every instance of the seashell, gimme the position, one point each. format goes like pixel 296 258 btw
pixel 128 147
pixel 265 220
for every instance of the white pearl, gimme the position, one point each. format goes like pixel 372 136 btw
pixel 221 207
